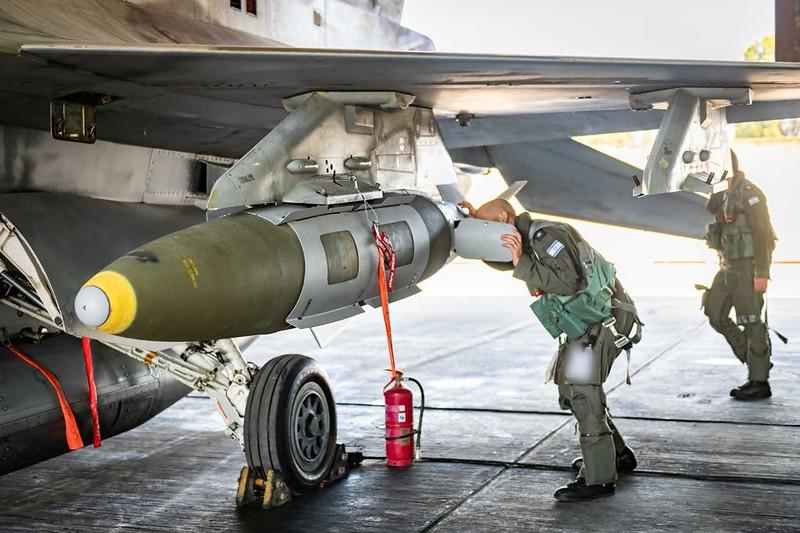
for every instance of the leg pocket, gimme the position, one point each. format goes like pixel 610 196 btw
pixel 747 302
pixel 717 299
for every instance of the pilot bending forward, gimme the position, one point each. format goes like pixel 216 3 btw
pixel 582 304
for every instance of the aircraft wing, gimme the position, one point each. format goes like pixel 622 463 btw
pixel 567 178
pixel 203 91
pixel 221 100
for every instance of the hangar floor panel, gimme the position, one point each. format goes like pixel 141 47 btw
pixel 494 442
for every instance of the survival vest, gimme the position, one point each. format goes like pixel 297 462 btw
pixel 731 234
pixel 733 239
pixel 572 315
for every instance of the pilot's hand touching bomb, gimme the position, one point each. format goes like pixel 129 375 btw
pixel 513 242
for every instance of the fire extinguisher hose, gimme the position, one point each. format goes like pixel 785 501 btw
pixel 421 414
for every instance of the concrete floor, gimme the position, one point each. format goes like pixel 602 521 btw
pixel 495 443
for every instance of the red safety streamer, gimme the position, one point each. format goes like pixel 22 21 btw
pixel 386 253
pixel 86 344
pixel 74 440
pixel 386 259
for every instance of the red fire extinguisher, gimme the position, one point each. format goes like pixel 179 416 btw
pixel 400 450
pixel 400 433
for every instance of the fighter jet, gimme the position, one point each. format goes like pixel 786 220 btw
pixel 178 176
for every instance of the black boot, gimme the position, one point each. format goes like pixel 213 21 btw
pixel 752 390
pixel 579 491
pixel 626 462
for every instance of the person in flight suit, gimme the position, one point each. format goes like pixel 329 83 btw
pixel 580 302
pixel 744 239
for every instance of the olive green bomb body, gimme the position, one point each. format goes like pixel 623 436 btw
pixel 233 276
pixel 253 273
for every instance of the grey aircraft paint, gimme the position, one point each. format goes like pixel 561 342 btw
pixel 31 424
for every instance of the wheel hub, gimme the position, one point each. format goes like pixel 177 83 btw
pixel 310 427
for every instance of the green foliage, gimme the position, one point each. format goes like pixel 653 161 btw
pixel 751 130
pixel 763 50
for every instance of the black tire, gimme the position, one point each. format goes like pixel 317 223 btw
pixel 290 422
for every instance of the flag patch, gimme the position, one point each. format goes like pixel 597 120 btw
pixel 753 201
pixel 555 248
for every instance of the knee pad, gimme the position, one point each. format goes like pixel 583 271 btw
pixel 758 339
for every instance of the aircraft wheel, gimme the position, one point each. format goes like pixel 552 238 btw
pixel 290 422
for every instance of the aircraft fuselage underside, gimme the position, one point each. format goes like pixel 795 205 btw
pixel 288 242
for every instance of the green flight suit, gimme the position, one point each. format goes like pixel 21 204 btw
pixel 743 210
pixel 549 264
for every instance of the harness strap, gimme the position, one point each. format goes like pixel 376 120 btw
pixel 628 366
pixel 625 306
pixel 628 307
pixel 620 339
pixel 783 338
pixel 623 341
pixel 603 434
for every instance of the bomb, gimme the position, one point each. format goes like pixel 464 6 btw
pixel 263 270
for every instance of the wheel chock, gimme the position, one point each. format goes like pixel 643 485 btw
pixel 271 490
pixel 268 492
pixel 345 461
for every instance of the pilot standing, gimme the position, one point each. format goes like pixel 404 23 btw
pixel 744 239
pixel 580 302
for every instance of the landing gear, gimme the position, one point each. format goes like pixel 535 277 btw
pixel 282 414
pixel 290 423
